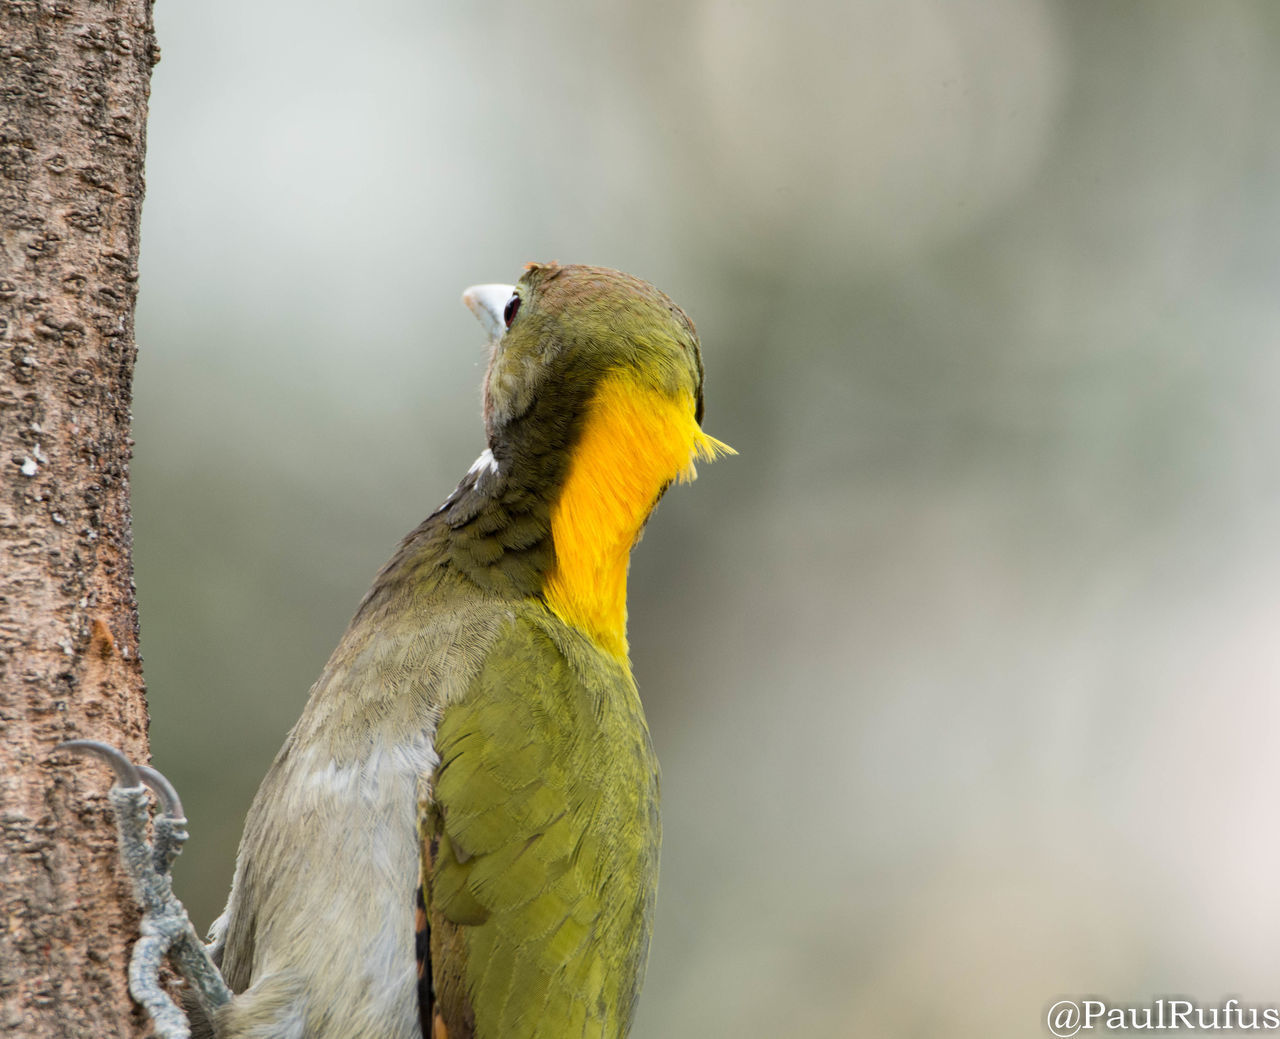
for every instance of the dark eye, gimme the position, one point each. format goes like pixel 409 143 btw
pixel 512 308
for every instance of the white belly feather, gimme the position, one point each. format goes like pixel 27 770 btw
pixel 330 903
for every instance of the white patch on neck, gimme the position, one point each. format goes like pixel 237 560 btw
pixel 486 461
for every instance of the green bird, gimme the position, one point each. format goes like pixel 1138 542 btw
pixel 460 835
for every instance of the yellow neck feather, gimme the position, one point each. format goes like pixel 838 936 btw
pixel 635 441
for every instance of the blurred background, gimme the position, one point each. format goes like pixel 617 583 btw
pixel 964 673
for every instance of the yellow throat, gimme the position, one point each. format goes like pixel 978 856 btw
pixel 635 441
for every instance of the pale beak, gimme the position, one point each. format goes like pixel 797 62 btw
pixel 487 303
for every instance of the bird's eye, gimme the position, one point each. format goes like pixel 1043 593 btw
pixel 511 309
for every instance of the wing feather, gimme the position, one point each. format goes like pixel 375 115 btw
pixel 540 845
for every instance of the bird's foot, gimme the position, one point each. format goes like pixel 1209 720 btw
pixel 166 928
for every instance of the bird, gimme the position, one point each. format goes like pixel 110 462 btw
pixel 459 838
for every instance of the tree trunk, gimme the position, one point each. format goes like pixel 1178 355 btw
pixel 74 79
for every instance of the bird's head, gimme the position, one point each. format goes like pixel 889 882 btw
pixel 593 403
pixel 564 330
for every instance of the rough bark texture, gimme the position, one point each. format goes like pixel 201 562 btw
pixel 74 78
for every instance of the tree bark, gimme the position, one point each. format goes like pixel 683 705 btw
pixel 74 82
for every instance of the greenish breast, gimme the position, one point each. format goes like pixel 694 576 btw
pixel 545 821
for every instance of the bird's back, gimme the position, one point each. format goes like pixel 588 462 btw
pixel 318 935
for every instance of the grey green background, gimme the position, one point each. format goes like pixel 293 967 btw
pixel 964 673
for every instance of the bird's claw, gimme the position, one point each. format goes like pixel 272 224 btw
pixel 170 824
pixel 126 771
pixel 166 928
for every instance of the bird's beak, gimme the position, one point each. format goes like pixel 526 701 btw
pixel 487 302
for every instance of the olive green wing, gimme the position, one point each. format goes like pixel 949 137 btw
pixel 540 847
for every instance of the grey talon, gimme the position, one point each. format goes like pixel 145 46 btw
pixel 169 826
pixel 166 928
pixel 126 771
pixel 170 804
